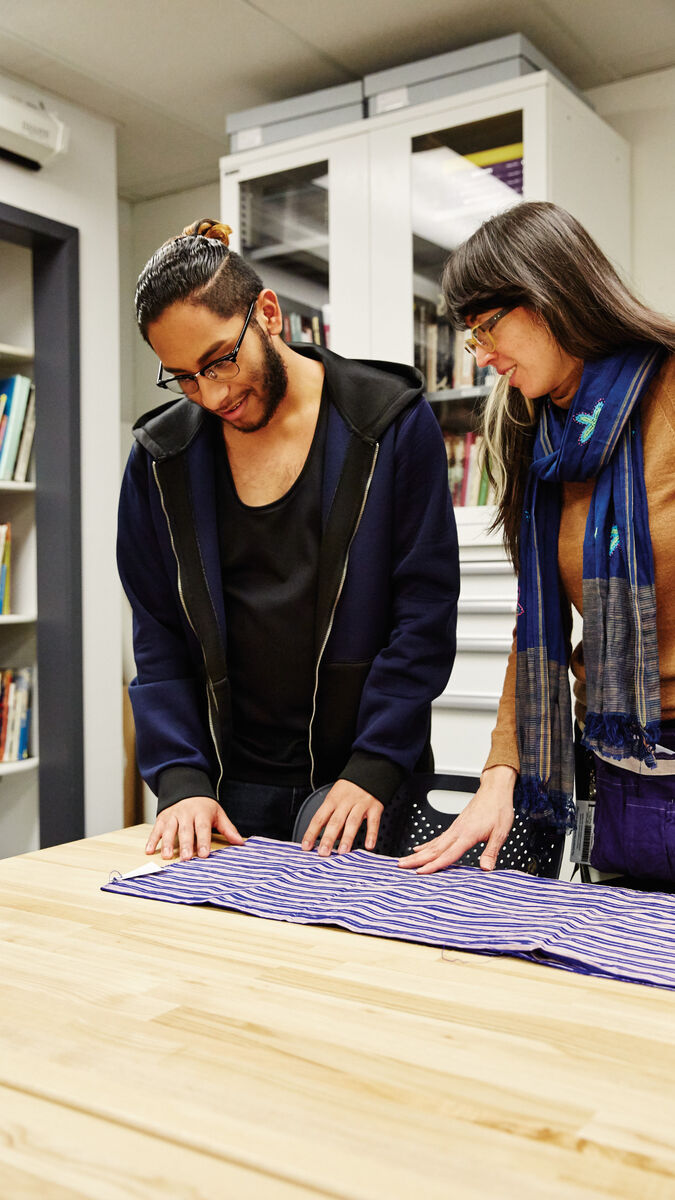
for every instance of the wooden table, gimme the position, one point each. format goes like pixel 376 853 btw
pixel 154 1050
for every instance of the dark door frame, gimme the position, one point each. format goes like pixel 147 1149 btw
pixel 56 314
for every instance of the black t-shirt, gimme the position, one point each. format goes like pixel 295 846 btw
pixel 269 557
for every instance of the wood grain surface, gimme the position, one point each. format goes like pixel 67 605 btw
pixel 152 1050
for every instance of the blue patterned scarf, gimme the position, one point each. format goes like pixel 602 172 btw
pixel 597 438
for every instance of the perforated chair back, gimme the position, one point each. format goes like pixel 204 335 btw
pixel 531 846
pixel 410 819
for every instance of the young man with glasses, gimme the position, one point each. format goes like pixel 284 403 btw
pixel 288 547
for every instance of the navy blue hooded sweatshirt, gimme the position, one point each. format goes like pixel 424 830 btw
pixel 387 588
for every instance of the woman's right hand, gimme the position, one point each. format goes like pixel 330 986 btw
pixel 488 817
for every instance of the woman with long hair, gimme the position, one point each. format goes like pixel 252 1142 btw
pixel 580 442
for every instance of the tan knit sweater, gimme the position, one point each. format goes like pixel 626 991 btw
pixel 658 436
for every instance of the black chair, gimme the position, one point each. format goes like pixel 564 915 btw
pixel 410 819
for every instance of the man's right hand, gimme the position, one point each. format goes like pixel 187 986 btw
pixel 191 821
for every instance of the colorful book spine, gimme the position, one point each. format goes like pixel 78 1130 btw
pixel 15 713
pixel 484 486
pixel 6 392
pixel 26 443
pixel 5 558
pixel 20 724
pixel 469 439
pixel 474 473
pixel 7 678
pixel 17 403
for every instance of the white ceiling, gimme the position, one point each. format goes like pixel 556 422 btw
pixel 168 72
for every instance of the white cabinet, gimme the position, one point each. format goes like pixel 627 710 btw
pixel 402 189
pixel 392 216
pixel 569 156
pixel 301 216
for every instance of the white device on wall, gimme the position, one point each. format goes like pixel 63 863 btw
pixel 30 134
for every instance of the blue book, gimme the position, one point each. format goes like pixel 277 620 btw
pixel 22 698
pixel 17 390
pixel 24 734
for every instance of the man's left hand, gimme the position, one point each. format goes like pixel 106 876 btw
pixel 341 815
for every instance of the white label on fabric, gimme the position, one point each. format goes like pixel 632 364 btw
pixel 147 869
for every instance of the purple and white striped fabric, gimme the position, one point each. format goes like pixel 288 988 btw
pixel 595 930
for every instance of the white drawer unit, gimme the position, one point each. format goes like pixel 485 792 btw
pixel 479 667
pixel 491 580
pixel 460 730
pixel 482 618
pixel 463 717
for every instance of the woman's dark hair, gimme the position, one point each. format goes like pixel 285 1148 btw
pixel 197 266
pixel 538 255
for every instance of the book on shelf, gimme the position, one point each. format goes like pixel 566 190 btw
pixel 303 327
pixel 467 474
pixel 326 317
pixel 464 364
pixel 454 449
pixel 433 344
pixel 432 358
pixel 504 163
pixel 5 684
pixel 439 351
pixel 301 321
pixel 16 686
pixel 469 444
pixel 5 560
pixel 16 390
pixel 441 354
pixel 26 443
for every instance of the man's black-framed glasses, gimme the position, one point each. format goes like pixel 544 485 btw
pixel 481 335
pixel 225 367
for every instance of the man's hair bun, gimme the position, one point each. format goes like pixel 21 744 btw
pixel 208 229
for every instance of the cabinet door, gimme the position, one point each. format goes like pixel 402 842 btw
pixel 300 216
pixel 435 176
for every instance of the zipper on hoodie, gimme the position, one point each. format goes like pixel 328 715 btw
pixel 211 702
pixel 334 607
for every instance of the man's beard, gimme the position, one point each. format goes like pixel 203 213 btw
pixel 273 380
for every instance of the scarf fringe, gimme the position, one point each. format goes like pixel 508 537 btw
pixel 535 799
pixel 619 736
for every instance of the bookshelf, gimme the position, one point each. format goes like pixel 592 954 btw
pixel 41 794
pixel 403 188
pixel 18 777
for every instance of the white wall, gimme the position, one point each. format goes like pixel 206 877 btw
pixel 80 190
pixel 143 227
pixel 642 109
pixel 128 333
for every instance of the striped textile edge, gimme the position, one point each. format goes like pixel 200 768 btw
pixel 587 928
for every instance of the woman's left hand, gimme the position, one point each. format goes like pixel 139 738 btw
pixel 488 817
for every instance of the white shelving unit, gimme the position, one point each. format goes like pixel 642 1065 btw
pixel 464 716
pixel 19 791
pixel 380 257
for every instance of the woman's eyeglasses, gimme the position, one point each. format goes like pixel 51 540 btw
pixel 481 335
